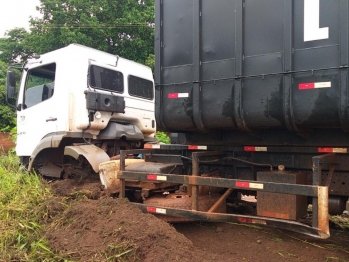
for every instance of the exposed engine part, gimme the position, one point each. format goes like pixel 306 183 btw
pixel 117 130
pixel 114 150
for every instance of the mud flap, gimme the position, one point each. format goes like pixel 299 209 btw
pixel 94 155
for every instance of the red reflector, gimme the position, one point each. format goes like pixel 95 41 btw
pixel 243 184
pixel 249 148
pixel 149 146
pixel 152 177
pixel 325 150
pixel 172 95
pixel 151 209
pixel 306 86
pixel 255 148
pixel 332 150
pixel 190 147
pixel 244 220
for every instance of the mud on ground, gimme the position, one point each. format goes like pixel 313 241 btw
pixel 86 223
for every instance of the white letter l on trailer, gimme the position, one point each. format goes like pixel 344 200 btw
pixel 312 22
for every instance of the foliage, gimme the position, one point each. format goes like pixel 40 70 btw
pixel 22 206
pixel 150 62
pixel 14 46
pixel 7 120
pixel 122 27
pixel 162 137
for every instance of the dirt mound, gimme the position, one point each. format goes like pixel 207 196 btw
pixel 88 225
pixel 79 186
pixel 84 223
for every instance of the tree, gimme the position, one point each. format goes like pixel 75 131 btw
pixel 7 114
pixel 13 46
pixel 120 27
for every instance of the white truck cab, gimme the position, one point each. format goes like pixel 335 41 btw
pixel 78 101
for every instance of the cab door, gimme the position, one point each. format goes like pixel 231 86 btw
pixel 41 111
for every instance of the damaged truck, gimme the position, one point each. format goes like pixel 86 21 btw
pixel 255 95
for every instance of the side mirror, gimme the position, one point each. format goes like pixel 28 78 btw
pixel 11 88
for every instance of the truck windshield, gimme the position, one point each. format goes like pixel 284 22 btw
pixel 39 85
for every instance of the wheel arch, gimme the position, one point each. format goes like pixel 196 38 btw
pixel 59 145
pixel 48 142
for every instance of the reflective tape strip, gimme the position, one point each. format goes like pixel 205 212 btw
pixel 177 95
pixel 340 150
pixel 197 147
pixel 305 86
pixel 190 147
pixel 151 146
pixel 256 185
pixel 249 185
pixel 322 85
pixel 156 210
pixel 255 149
pixel 332 150
pixel 156 177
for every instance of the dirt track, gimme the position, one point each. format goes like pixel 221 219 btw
pixel 88 225
pixel 244 243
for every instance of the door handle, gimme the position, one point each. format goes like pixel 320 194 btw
pixel 51 119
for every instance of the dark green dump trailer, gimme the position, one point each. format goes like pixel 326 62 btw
pixel 255 94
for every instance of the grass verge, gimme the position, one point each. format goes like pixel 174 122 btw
pixel 28 209
pixel 22 197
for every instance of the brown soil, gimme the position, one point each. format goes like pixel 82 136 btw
pixel 87 224
pixel 238 242
pixel 5 142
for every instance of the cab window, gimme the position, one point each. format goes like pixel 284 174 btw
pixel 106 79
pixel 140 87
pixel 39 85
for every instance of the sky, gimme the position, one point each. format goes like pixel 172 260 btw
pixel 15 13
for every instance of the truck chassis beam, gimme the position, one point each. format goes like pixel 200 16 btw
pixel 320 223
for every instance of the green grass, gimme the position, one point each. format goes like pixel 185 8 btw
pixel 163 137
pixel 340 222
pixel 22 197
pixel 24 216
